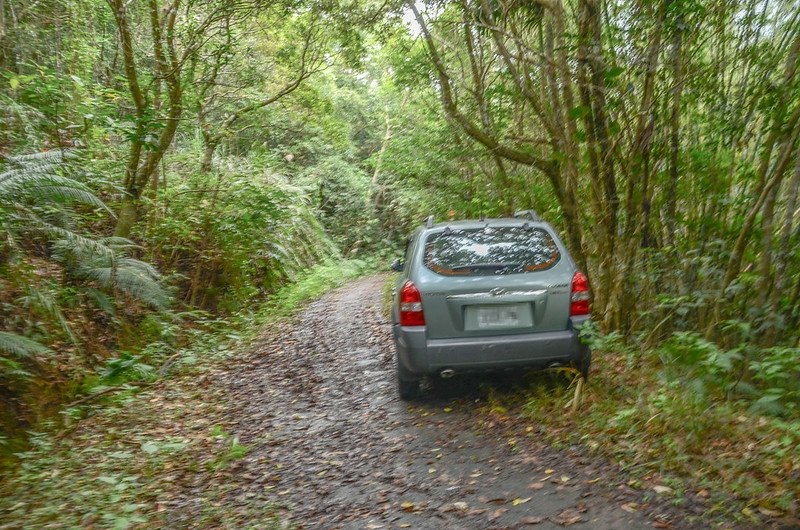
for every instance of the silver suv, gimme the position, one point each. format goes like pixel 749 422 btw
pixel 485 295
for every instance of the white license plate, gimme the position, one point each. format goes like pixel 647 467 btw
pixel 498 317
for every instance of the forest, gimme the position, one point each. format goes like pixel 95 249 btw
pixel 176 175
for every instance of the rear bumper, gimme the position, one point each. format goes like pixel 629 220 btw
pixel 420 356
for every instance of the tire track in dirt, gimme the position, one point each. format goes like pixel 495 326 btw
pixel 333 444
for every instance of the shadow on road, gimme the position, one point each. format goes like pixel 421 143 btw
pixel 508 384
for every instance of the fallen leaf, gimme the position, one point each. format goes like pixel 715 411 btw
pixel 461 506
pixel 407 506
pixel 568 517
pixel 630 507
pixel 769 513
pixel 549 471
pixel 518 501
pixel 531 520
pixel 448 409
pixel 662 490
pixel 565 479
pixel 536 485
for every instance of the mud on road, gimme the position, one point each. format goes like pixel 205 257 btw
pixel 333 444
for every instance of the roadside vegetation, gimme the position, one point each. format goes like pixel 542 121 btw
pixel 173 174
pixel 123 464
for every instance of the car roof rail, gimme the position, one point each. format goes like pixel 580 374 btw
pixel 429 222
pixel 530 214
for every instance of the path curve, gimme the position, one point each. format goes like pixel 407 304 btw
pixel 332 442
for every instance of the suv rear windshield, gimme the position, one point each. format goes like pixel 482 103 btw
pixel 490 251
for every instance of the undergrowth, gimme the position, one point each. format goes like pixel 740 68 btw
pixel 672 428
pixel 117 462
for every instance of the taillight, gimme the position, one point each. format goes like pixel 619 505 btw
pixel 411 306
pixel 579 299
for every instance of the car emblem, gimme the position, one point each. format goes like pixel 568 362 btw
pixel 497 291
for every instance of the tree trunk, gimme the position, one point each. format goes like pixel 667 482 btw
pixel 207 163
pixel 674 128
pixel 127 216
pixel 374 189
pixel 767 234
pixel 781 283
pixel 3 34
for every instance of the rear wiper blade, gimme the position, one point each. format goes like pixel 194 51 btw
pixel 482 266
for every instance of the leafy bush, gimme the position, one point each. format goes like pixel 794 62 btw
pixel 236 236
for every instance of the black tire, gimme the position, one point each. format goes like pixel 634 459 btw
pixel 585 363
pixel 408 390
pixel 407 387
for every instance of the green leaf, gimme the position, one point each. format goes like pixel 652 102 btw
pixel 579 112
pixel 614 72
pixel 150 448
pixel 19 345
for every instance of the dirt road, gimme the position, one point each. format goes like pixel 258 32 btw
pixel 333 443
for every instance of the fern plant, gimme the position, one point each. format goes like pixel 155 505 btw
pixel 37 202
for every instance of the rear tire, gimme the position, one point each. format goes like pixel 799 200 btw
pixel 585 363
pixel 407 388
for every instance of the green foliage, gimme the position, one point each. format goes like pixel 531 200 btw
pixel 126 367
pixel 766 378
pixel 53 268
pixel 233 450
pixel 341 193
pixel 111 470
pixel 315 282
pixel 237 236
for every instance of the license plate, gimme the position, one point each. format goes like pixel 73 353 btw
pixel 498 317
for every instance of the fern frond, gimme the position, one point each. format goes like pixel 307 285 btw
pixel 42 162
pixel 11 369
pixel 132 277
pixel 119 244
pixel 139 266
pixel 57 156
pixel 104 302
pixel 64 194
pixel 76 242
pixel 47 305
pixel 20 346
pixel 44 187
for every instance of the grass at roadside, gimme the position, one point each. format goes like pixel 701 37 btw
pixel 120 462
pixel 688 447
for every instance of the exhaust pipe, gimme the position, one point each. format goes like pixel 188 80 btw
pixel 447 373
